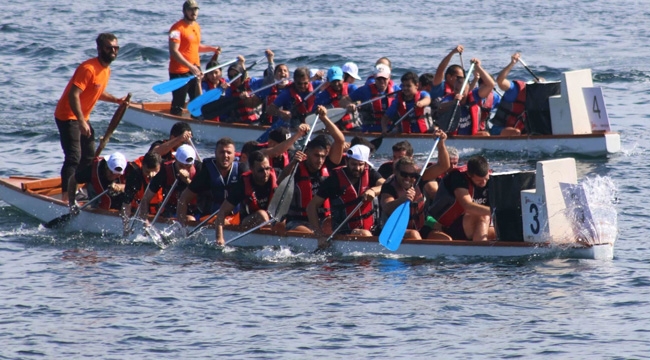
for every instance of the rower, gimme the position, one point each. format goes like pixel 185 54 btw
pixel 281 71
pixel 336 95
pixel 240 88
pixel 350 74
pixel 181 171
pixel 462 205
pixel 444 80
pixel 510 118
pixel 372 113
pixel 381 61
pixel 409 98
pixel 290 105
pixel 213 79
pixel 252 194
pixel 99 175
pixel 271 152
pixel 400 150
pixel 180 133
pixel 346 187
pixel 138 174
pixel 217 175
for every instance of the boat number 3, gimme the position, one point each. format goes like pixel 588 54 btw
pixel 595 108
pixel 534 227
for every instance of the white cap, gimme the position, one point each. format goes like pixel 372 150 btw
pixel 313 72
pixel 360 153
pixel 185 154
pixel 382 70
pixel 351 69
pixel 116 163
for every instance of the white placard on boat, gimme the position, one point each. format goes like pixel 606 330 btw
pixel 596 108
pixel 534 217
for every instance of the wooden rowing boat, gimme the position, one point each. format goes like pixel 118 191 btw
pixel 41 199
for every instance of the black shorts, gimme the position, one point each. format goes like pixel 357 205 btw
pixel 455 230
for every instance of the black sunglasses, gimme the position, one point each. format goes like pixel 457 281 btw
pixel 109 47
pixel 405 174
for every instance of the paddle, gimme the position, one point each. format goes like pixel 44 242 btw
pixel 265 136
pixel 224 105
pixel 194 106
pixel 376 142
pixel 198 157
pixel 129 229
pixel 174 84
pixel 529 70
pixel 64 219
pixel 148 229
pixel 117 117
pixel 393 231
pixel 200 225
pixel 329 239
pixel 452 123
pixel 334 114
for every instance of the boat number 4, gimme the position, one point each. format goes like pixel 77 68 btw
pixel 598 112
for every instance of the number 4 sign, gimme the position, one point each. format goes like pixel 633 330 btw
pixel 596 109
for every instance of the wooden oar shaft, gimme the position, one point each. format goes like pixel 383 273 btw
pixel 527 68
pixel 115 120
pixel 462 91
pixel 345 220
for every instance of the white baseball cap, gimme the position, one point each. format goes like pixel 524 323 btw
pixel 116 163
pixel 383 71
pixel 185 154
pixel 351 69
pixel 360 153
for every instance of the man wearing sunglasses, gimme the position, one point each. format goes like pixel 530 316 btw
pixel 100 175
pixel 252 193
pixel 72 114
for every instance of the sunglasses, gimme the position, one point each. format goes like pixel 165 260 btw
pixel 109 47
pixel 405 174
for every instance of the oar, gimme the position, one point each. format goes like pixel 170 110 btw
pixel 194 106
pixel 379 139
pixel 210 112
pixel 162 206
pixel 117 117
pixel 129 229
pixel 173 84
pixel 334 114
pixel 63 219
pixel 462 90
pixel 202 223
pixel 264 137
pixel 529 70
pixel 250 231
pixel 198 157
pixel 395 227
pixel 329 239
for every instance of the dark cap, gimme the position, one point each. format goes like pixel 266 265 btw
pixel 237 67
pixel 190 4
pixel 279 134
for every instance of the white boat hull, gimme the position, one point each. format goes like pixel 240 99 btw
pixel 152 116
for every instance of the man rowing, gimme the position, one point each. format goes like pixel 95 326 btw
pixel 184 48
pixel 139 173
pixel 510 118
pixel 292 104
pixel 409 99
pixel 252 193
pixel 72 113
pixel 346 187
pixel 101 174
pixel 336 95
pixel 371 114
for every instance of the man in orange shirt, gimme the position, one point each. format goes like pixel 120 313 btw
pixel 72 114
pixel 184 48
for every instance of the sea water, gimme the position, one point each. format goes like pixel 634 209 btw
pixel 72 295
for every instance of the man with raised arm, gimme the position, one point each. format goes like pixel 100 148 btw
pixel 510 118
pixel 184 48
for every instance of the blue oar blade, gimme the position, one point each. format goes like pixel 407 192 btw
pixel 171 85
pixel 393 232
pixel 194 107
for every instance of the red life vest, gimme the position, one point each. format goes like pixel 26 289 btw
pixel 346 121
pixel 105 201
pixel 446 208
pixel 378 109
pixel 304 192
pixel 250 200
pixel 411 122
pixel 390 85
pixel 279 162
pixel 513 114
pixel 349 199
pixel 301 107
pixel 416 217
pixel 479 110
pixel 170 171
pixel 156 200
pixel 449 90
pixel 270 98
pixel 246 114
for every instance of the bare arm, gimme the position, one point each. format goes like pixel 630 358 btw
pixel 297 158
pixel 312 214
pixel 443 164
pixel 144 204
pixel 172 144
pixel 175 53
pixel 181 209
pixel 336 151
pixel 75 105
pixel 488 82
pixel 225 208
pixel 280 148
pixel 439 77
pixel 502 81
pixel 470 207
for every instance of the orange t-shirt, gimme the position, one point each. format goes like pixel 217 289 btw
pixel 91 77
pixel 189 38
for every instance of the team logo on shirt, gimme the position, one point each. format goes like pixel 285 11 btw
pixel 175 35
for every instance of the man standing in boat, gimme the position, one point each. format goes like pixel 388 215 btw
pixel 217 176
pixel 345 188
pixel 461 205
pixel 252 193
pixel 184 48
pixel 72 114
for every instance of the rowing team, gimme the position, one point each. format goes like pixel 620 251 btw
pixel 326 185
pixel 447 98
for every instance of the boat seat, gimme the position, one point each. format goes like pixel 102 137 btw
pixel 43 186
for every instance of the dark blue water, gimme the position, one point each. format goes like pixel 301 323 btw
pixel 78 295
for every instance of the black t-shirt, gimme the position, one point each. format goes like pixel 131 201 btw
pixel 331 188
pixel 166 157
pixel 237 194
pixel 84 175
pixel 134 182
pixel 386 169
pixel 456 179
pixel 331 165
